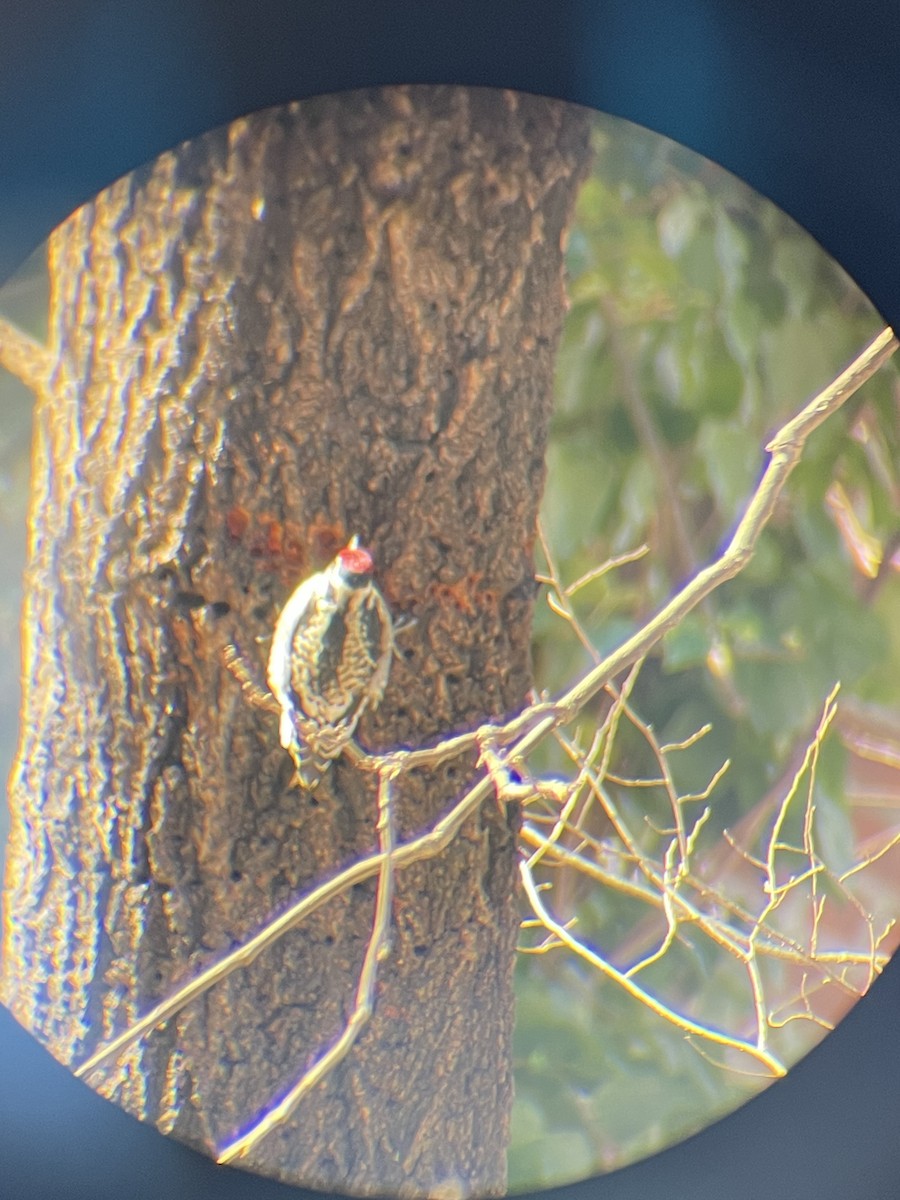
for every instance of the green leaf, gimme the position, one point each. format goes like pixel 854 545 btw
pixel 732 465
pixel 687 645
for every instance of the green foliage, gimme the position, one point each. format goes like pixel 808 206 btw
pixel 599 1081
pixel 701 318
pixel 699 304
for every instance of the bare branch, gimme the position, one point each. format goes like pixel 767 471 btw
pixel 376 951
pixel 682 1022
pixel 612 564
pixel 519 737
pixel 770 942
pixel 419 849
pixel 22 356
pixel 785 450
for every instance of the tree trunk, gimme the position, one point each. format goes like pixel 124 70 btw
pixel 335 318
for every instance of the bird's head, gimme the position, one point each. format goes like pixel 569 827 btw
pixel 355 564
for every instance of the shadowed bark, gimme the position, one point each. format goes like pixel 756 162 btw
pixel 334 318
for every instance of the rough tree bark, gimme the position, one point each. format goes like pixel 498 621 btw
pixel 338 317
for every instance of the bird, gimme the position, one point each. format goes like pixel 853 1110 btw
pixel 329 660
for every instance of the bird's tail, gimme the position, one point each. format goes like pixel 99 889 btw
pixel 314 748
pixel 310 767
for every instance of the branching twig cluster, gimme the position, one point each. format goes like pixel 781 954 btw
pixel 656 867
pixel 661 868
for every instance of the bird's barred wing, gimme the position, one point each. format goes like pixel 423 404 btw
pixel 317 662
pixel 302 659
pixel 280 665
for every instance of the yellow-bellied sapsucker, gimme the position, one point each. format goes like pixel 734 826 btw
pixel 330 658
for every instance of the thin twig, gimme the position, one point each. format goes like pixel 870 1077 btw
pixel 376 952
pixel 559 598
pixel 682 1022
pixel 611 564
pixel 774 944
pixel 785 450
